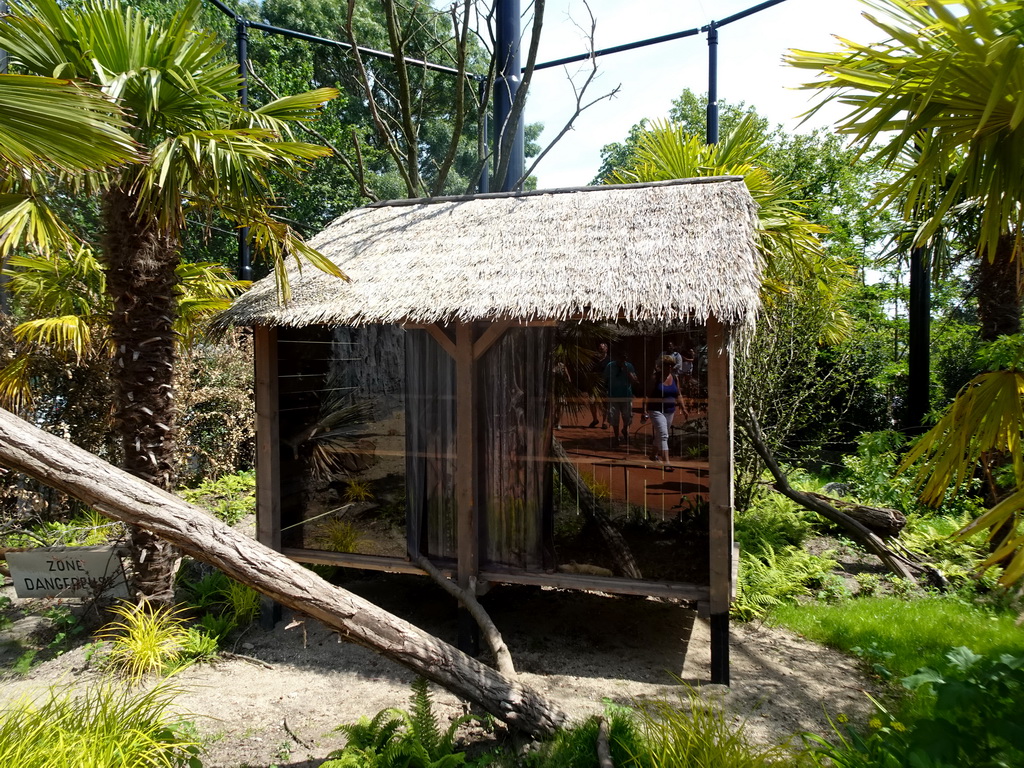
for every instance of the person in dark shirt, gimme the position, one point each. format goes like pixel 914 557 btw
pixel 619 378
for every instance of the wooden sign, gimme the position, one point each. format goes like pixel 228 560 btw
pixel 68 572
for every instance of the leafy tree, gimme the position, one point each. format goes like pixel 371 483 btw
pixel 949 87
pixel 943 97
pixel 204 154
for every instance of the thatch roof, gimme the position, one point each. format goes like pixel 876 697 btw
pixel 660 252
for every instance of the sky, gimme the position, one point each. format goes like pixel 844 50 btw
pixel 749 67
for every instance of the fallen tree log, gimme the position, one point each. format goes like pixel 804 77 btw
pixel 121 496
pixel 884 521
pixel 898 564
pixel 622 555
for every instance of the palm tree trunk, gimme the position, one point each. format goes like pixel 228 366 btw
pixel 998 290
pixel 142 283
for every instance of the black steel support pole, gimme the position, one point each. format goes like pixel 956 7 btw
pixel 712 132
pixel 485 176
pixel 918 342
pixel 507 52
pixel 242 37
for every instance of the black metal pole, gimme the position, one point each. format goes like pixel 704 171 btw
pixel 506 84
pixel 485 176
pixel 242 37
pixel 712 129
pixel 918 342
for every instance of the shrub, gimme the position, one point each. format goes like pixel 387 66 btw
pixel 691 732
pixel 396 737
pixel 576 747
pixel 229 498
pixel 339 536
pixel 104 726
pixel 972 718
pixel 146 640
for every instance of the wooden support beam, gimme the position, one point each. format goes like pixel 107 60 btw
pixel 442 338
pixel 720 493
pixel 465 446
pixel 491 334
pixel 268 456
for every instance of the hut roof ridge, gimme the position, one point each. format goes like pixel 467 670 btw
pixel 659 251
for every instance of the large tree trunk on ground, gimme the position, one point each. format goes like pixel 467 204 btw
pixel 142 283
pixel 884 521
pixel 121 496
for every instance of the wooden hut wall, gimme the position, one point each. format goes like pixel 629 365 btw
pixel 430 447
pixel 513 445
pixel 304 360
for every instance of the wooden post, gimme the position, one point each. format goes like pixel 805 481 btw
pixel 720 492
pixel 268 457
pixel 465 479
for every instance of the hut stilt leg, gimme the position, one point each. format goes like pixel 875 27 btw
pixel 720 648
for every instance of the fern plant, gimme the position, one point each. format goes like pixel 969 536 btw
pixel 396 738
pixel 772 577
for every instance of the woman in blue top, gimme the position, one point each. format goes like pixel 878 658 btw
pixel 663 398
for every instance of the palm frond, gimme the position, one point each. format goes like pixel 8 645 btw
pixel 986 417
pixel 48 124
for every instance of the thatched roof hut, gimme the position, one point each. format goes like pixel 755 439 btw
pixel 660 252
pixel 477 284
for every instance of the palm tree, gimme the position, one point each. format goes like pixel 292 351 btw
pixel 952 86
pixel 205 156
pixel 794 257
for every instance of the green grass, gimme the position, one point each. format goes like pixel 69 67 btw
pixel 107 726
pixel 904 636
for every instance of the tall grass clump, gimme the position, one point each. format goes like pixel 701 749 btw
pixel 104 727
pixel 145 640
pixel 691 733
pixel 905 635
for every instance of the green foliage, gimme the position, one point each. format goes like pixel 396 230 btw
pixel 774 567
pixel 973 718
pixel 243 602
pixel 691 733
pixel 916 633
pixel 771 578
pixel 230 498
pixel 146 640
pixel 396 738
pixel 356 491
pixel 576 746
pixel 104 726
pixel 339 535
pixel 199 645
pixel 66 626
pixel 223 603
pixel 772 520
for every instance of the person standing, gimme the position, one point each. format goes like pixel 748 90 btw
pixel 662 401
pixel 619 378
pixel 598 403
pixel 677 358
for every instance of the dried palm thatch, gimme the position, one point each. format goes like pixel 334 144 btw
pixel 662 251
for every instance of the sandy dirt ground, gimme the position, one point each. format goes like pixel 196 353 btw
pixel 277 701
